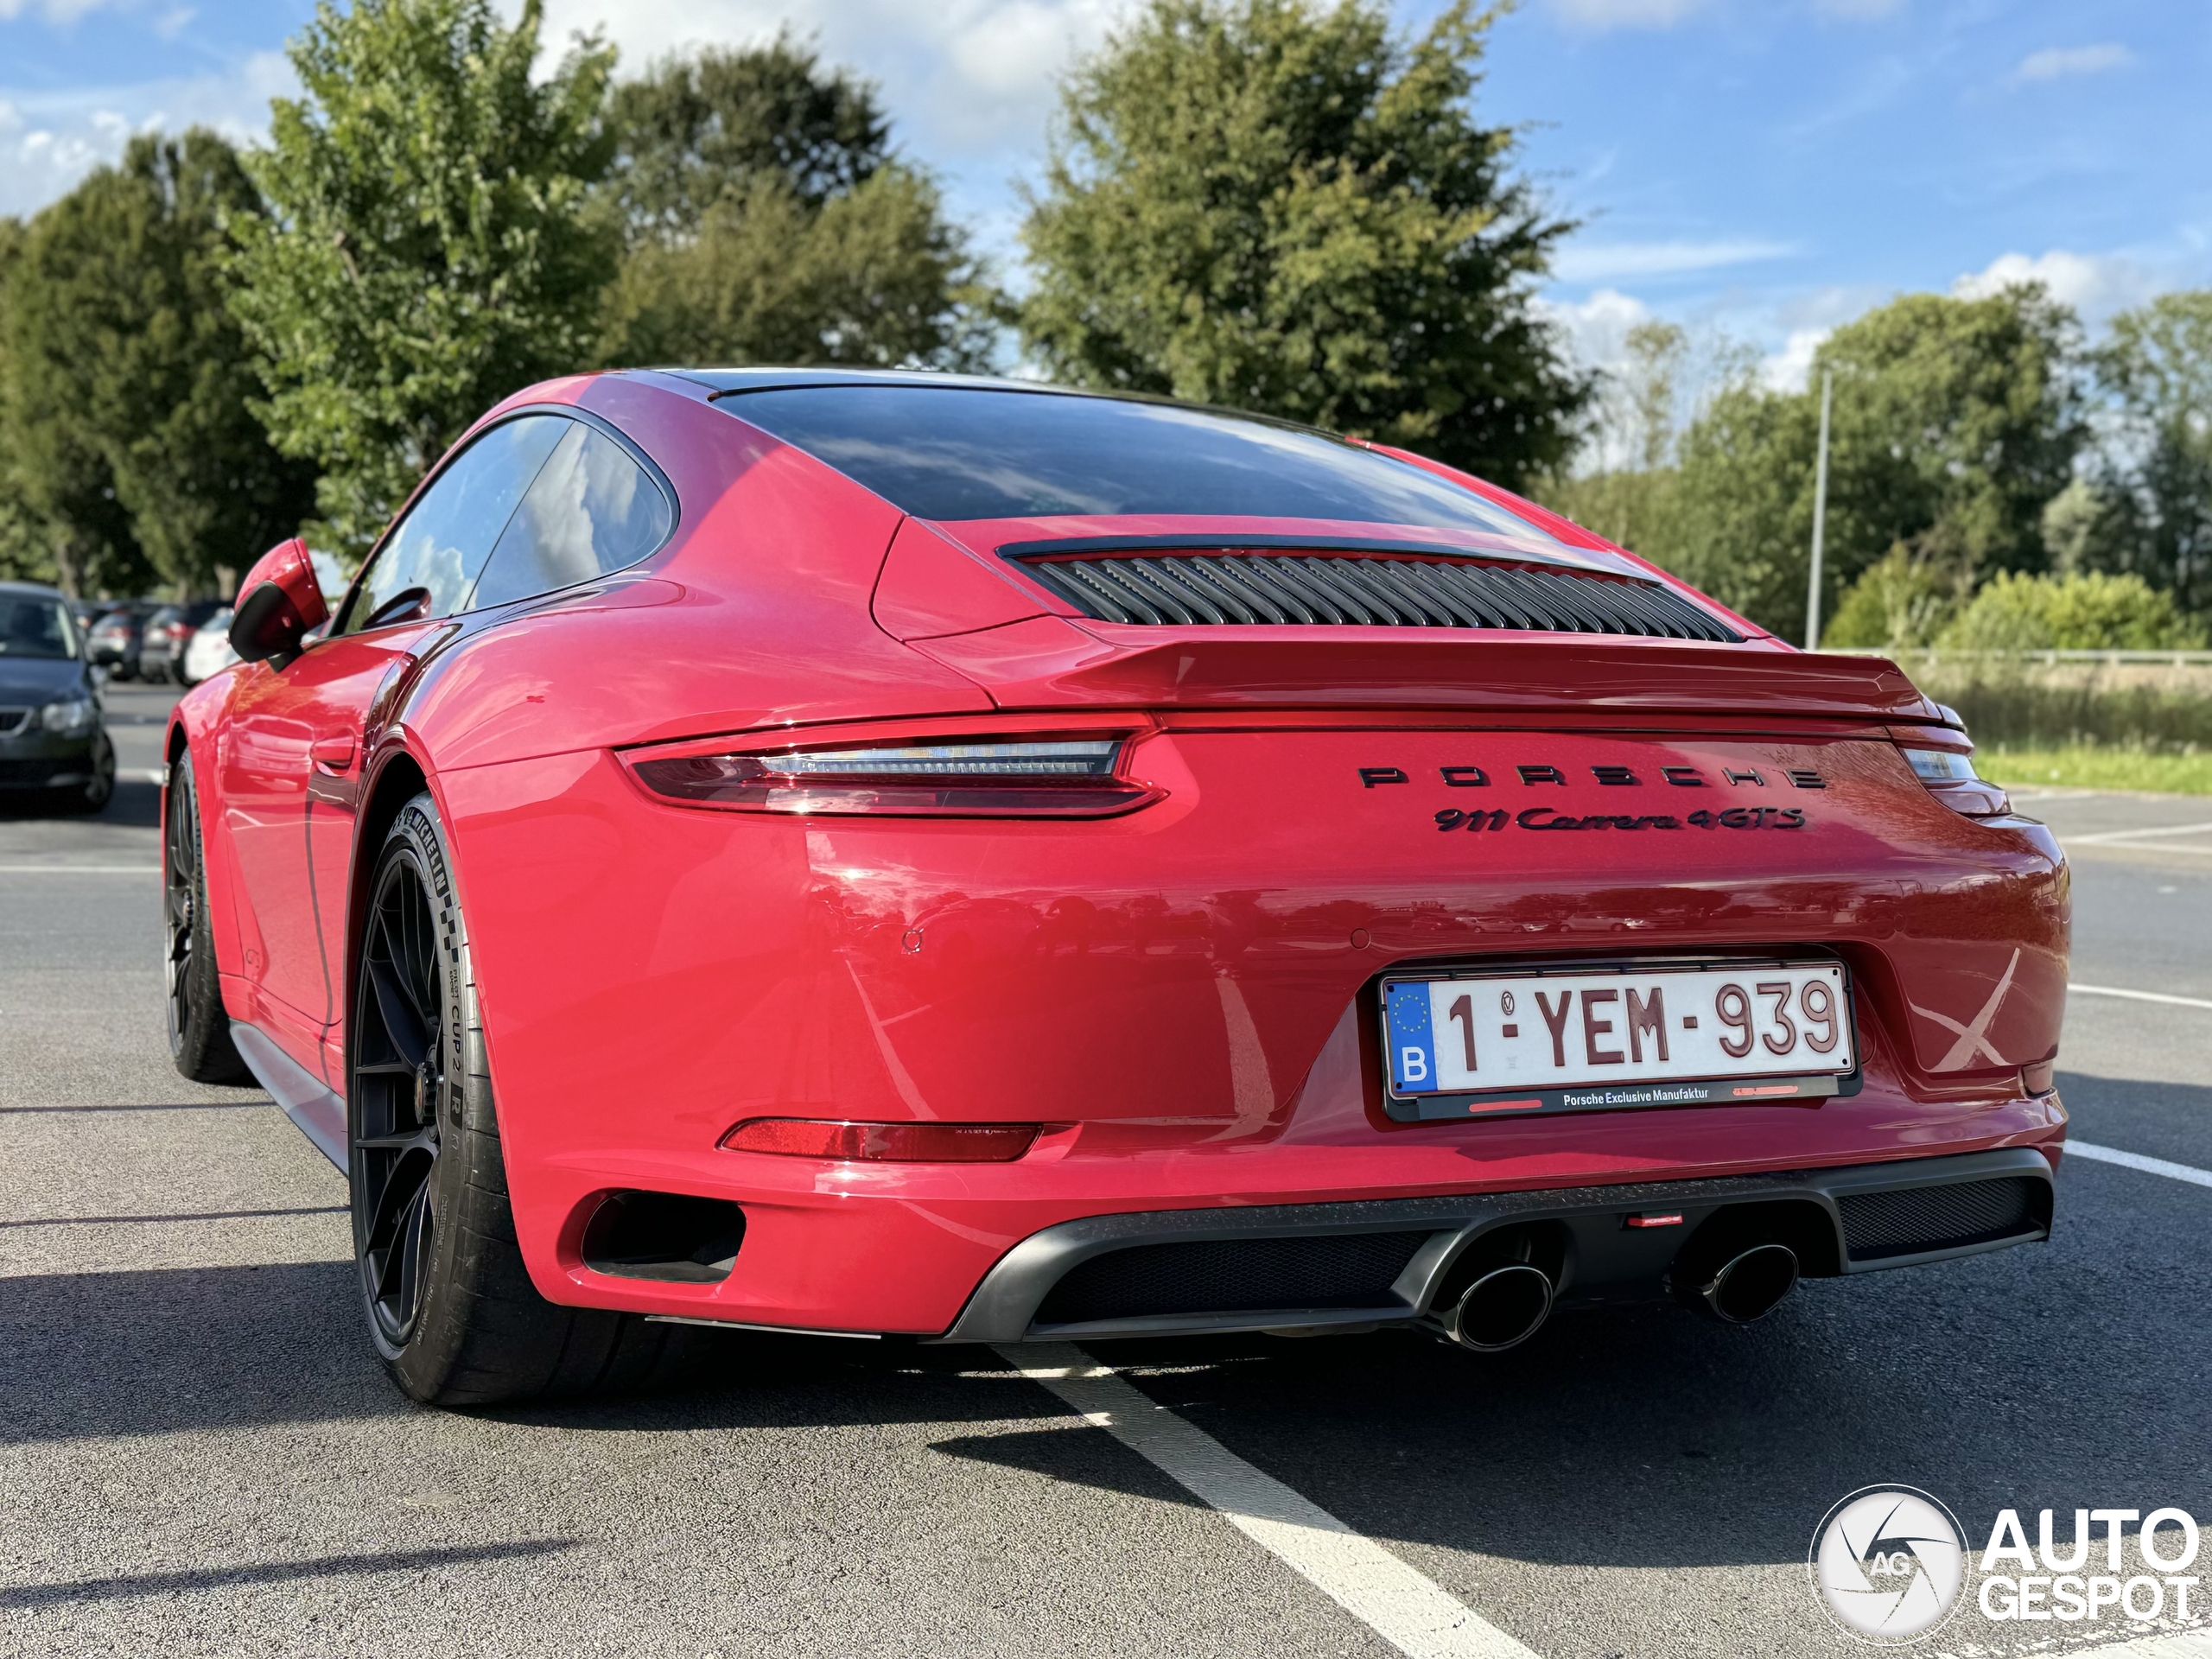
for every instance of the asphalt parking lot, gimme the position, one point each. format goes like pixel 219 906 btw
pixel 198 1453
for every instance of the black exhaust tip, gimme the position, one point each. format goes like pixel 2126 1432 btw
pixel 1501 1309
pixel 1748 1285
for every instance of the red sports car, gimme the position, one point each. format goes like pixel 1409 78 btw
pixel 907 857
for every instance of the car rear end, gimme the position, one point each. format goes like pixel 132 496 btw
pixel 1315 925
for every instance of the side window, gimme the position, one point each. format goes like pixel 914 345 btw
pixel 431 560
pixel 592 510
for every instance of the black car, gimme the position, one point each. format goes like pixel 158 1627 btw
pixel 168 631
pixel 53 747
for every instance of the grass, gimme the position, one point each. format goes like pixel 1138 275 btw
pixel 2097 765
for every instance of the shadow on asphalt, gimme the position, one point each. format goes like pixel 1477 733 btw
pixel 2053 1376
pixel 135 805
pixel 2061 1375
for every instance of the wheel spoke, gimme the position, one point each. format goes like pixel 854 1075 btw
pixel 402 1025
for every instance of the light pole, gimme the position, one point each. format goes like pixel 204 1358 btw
pixel 1820 515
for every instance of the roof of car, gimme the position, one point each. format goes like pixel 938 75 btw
pixel 728 383
pixel 725 381
pixel 39 588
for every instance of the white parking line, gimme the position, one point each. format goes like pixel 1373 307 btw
pixel 2182 1644
pixel 2126 837
pixel 2188 1173
pixel 2140 996
pixel 1407 1609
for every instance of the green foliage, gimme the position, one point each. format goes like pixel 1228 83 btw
pixel 1955 423
pixel 429 245
pixel 696 130
pixel 1635 510
pixel 1279 207
pixel 1898 602
pixel 768 222
pixel 124 290
pixel 60 516
pixel 2092 612
pixel 1742 504
pixel 2156 485
pixel 2187 770
pixel 875 277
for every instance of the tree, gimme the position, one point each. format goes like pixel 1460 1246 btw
pixel 1956 424
pixel 768 220
pixel 1275 207
pixel 127 329
pixel 697 129
pixel 429 243
pixel 60 515
pixel 2154 488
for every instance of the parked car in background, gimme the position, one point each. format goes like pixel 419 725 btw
pixel 53 747
pixel 168 631
pixel 208 652
pixel 116 640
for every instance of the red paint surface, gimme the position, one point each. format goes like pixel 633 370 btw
pixel 1177 992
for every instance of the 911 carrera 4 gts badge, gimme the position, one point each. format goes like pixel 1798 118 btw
pixel 1544 818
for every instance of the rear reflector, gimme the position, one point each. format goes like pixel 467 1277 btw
pixel 1673 1218
pixel 1061 778
pixel 887 1143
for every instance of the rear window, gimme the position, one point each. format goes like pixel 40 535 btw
pixel 952 453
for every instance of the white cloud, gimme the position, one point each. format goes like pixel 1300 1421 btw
pixel 1788 369
pixel 54 12
pixel 1597 327
pixel 1601 15
pixel 967 78
pixel 2055 63
pixel 50 140
pixel 2094 284
pixel 1597 262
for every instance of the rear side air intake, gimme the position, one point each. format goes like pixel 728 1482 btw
pixel 1378 589
pixel 1913 1219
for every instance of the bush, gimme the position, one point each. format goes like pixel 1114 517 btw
pixel 1898 602
pixel 2095 612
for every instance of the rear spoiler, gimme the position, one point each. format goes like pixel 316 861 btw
pixel 1053 662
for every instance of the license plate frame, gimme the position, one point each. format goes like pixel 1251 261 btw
pixel 1795 1085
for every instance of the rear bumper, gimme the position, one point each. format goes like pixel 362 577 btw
pixel 1874 1216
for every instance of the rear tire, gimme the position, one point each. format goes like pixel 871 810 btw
pixel 450 1306
pixel 199 1031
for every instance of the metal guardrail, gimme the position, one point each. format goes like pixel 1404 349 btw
pixel 2052 659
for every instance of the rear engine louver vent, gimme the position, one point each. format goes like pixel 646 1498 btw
pixel 1365 591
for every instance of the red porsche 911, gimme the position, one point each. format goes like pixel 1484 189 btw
pixel 906 856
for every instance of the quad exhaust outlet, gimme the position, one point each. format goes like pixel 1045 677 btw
pixel 1501 1309
pixel 1745 1287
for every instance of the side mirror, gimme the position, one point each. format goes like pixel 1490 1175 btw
pixel 278 602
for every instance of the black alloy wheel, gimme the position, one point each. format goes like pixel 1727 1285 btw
pixel 451 1307
pixel 400 1088
pixel 199 1029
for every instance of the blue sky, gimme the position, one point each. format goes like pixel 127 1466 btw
pixel 1757 169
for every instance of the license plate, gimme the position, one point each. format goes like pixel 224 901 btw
pixel 1615 1038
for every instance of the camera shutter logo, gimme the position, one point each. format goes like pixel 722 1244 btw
pixel 1888 1563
